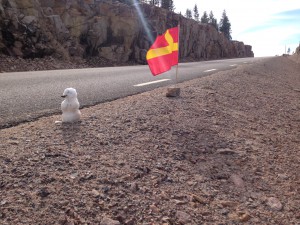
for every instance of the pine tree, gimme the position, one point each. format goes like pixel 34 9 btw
pixel 154 2
pixel 225 26
pixel 188 14
pixel 196 13
pixel 204 18
pixel 213 21
pixel 167 4
pixel 172 6
pixel 164 4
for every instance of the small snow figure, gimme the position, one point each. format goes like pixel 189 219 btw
pixel 70 106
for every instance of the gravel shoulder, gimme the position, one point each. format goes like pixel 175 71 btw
pixel 225 152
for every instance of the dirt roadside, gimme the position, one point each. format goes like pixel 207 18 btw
pixel 12 64
pixel 225 152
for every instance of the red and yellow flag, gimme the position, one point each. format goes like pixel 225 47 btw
pixel 163 54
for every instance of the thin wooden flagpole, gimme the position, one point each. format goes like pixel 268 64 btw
pixel 178 53
pixel 174 91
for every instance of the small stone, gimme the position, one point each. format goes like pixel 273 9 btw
pixel 183 217
pixel 101 204
pixel 134 187
pixel 228 203
pixel 130 222
pixel 154 208
pixel 145 189
pixel 233 216
pixel 237 180
pixel 126 177
pixel 191 183
pixel 226 151
pixel 274 204
pixel 173 92
pixel 14 142
pixel 109 221
pixel 224 211
pixel 196 198
pixel 166 219
pixel 198 178
pixel 283 176
pixel 43 192
pixel 244 217
pixel 240 216
pixel 193 205
pixel 163 195
pixel 106 189
pixel 3 202
pixel 121 163
pixel 178 202
pixel 95 193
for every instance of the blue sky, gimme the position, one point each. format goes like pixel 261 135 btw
pixel 270 26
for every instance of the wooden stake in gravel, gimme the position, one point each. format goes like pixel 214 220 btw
pixel 175 91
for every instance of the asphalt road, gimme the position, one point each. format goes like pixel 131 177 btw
pixel 25 96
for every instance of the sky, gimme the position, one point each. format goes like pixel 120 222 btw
pixel 269 26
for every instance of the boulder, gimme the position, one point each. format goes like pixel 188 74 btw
pixel 27 20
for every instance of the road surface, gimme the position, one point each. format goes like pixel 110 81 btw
pixel 25 96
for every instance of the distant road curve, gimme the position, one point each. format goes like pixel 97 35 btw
pixel 26 96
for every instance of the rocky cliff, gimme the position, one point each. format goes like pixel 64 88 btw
pixel 103 28
pixel 298 50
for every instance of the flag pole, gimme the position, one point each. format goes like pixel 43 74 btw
pixel 178 52
pixel 175 91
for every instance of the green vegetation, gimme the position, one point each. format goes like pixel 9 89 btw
pixel 188 14
pixel 154 2
pixel 204 18
pixel 167 4
pixel 196 13
pixel 213 21
pixel 225 26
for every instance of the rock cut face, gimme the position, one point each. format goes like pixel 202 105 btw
pixel 108 29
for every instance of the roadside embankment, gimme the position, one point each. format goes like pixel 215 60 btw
pixel 226 151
